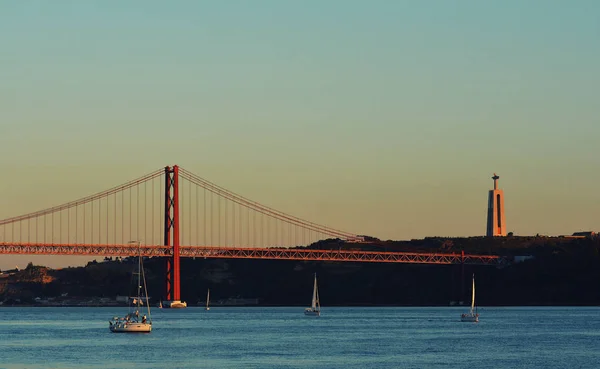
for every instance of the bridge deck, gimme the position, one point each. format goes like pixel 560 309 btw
pixel 249 253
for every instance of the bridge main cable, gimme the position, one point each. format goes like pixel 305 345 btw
pixel 241 200
pixel 84 200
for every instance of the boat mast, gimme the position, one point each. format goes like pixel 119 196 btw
pixel 473 294
pixel 318 300
pixel 139 276
pixel 145 287
pixel 314 297
pixel 207 297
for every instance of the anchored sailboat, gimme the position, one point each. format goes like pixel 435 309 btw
pixel 132 322
pixel 315 307
pixel 207 299
pixel 472 315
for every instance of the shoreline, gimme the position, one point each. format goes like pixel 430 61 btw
pixel 300 306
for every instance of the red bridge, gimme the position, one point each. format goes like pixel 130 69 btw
pixel 171 212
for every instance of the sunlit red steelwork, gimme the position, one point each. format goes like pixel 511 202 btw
pixel 191 211
pixel 171 232
pixel 252 253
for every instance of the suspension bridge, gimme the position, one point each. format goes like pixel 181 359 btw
pixel 173 213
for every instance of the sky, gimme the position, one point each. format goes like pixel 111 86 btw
pixel 385 118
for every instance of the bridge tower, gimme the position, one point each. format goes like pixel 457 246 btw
pixel 171 238
pixel 496 222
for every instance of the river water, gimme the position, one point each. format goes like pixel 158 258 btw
pixel 282 337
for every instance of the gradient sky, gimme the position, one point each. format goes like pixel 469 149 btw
pixel 385 118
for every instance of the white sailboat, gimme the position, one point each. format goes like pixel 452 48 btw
pixel 315 307
pixel 472 315
pixel 207 299
pixel 133 322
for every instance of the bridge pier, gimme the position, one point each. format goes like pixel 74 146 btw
pixel 171 239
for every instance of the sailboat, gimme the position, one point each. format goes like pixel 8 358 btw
pixel 315 307
pixel 132 322
pixel 472 315
pixel 207 299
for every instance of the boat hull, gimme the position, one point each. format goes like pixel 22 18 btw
pixel 131 328
pixel 174 304
pixel 474 318
pixel 309 312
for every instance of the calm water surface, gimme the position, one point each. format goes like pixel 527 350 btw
pixel 285 338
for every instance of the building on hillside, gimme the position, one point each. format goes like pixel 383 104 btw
pixel 588 234
pixel 522 258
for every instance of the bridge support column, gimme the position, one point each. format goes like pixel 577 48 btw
pixel 171 237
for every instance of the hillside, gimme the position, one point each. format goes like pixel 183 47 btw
pixel 563 271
